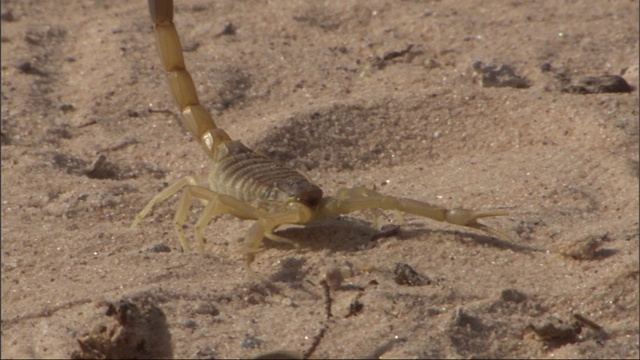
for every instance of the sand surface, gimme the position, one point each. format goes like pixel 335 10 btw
pixel 374 93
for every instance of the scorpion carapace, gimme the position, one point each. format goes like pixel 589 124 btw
pixel 251 186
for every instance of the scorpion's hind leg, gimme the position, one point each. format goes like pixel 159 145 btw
pixel 349 200
pixel 214 204
pixel 162 196
pixel 180 218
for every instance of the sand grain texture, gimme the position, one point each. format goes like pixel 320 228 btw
pixel 372 93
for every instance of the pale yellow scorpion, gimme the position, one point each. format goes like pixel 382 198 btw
pixel 251 186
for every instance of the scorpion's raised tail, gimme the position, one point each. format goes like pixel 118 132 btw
pixel 194 116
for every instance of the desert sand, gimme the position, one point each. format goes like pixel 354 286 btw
pixel 475 104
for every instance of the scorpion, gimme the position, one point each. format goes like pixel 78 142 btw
pixel 249 185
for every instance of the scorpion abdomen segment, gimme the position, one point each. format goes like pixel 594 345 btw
pixel 254 178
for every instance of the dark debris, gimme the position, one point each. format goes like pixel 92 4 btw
pixel 597 85
pixel 501 75
pixel 405 275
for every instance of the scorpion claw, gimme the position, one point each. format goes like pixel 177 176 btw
pixel 468 218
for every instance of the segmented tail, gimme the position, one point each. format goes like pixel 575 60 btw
pixel 194 116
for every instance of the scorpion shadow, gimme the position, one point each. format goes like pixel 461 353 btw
pixel 348 234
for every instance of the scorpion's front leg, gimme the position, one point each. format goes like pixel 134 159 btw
pixel 215 204
pixel 359 198
pixel 293 213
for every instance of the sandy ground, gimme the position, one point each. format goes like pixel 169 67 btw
pixel 375 93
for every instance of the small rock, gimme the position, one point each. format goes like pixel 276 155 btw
pixel 25 66
pixel 499 76
pixel 355 308
pixel 585 248
pixel 189 323
pixel 462 319
pixel 280 354
pixel 405 275
pixel 555 330
pixel 207 309
pixel 631 74
pixel 545 67
pixel 206 353
pixel 7 16
pixel 512 295
pixel 229 29
pixel 67 107
pixel 129 328
pixel 251 342
pixel 334 278
pixel 598 84
pixel 159 248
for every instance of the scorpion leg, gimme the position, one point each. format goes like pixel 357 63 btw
pixel 296 214
pixel 214 204
pixel 219 204
pixel 350 200
pixel 162 196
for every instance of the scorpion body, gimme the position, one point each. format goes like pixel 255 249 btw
pixel 251 186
